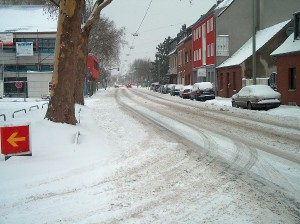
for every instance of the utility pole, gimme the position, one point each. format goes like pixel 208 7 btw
pixel 254 42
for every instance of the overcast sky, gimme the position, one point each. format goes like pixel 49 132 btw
pixel 164 18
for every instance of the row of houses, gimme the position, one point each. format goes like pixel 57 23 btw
pixel 219 48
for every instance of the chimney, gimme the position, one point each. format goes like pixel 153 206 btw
pixel 297 26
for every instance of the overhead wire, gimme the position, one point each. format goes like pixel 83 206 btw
pixel 131 46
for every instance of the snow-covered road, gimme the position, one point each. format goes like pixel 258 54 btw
pixel 144 157
pixel 253 150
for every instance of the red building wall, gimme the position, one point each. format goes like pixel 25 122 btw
pixel 208 25
pixel 284 63
pixel 185 67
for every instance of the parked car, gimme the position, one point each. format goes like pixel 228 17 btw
pixel 128 85
pixel 169 87
pixel 185 91
pixel 256 97
pixel 175 90
pixel 156 87
pixel 152 87
pixel 203 91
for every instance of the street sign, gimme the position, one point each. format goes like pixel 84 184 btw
pixel 19 84
pixel 15 140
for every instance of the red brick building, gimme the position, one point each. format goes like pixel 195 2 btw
pixel 287 58
pixel 184 56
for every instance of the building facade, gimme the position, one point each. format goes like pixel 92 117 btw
pixel 287 58
pixel 172 73
pixel 29 53
pixel 184 56
pixel 204 49
pixel 234 27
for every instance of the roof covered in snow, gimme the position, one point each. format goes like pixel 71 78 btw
pixel 25 18
pixel 262 37
pixel 224 5
pixel 290 46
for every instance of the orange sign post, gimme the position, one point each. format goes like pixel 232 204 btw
pixel 15 141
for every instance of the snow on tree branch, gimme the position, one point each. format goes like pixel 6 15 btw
pixel 98 6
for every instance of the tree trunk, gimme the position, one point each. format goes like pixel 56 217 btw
pixel 82 52
pixel 62 104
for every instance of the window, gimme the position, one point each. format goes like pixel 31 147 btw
pixel 292 78
pixel 208 50
pixel 199 31
pixel 222 45
pixel 47 68
pixel 212 49
pixel 20 68
pixel 186 56
pixel 46 45
pixel 199 54
pixel 208 26
pixel 212 24
pixel 180 58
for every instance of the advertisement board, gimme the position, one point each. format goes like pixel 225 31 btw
pixel 24 49
pixel 201 72
pixel 6 39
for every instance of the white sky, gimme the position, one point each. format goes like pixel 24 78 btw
pixel 115 174
pixel 165 18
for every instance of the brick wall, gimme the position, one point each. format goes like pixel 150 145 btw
pixel 284 63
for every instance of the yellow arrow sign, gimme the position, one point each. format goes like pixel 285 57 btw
pixel 13 139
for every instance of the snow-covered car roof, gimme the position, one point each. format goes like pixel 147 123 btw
pixel 259 91
pixel 204 85
pixel 187 87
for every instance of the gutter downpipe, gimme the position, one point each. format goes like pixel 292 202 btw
pixel 254 43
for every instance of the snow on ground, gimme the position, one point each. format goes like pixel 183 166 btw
pixel 65 182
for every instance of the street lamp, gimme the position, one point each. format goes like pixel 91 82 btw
pixel 157 55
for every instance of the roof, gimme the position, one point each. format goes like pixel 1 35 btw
pixel 25 18
pixel 290 46
pixel 225 4
pixel 262 37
